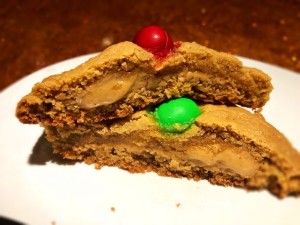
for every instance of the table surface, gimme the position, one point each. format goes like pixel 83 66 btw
pixel 38 33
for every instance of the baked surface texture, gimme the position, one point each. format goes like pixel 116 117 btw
pixel 229 146
pixel 132 79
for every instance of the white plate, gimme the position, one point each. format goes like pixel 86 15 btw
pixel 79 194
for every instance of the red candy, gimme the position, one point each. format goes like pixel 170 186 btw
pixel 155 40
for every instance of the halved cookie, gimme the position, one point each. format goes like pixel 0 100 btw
pixel 229 146
pixel 125 78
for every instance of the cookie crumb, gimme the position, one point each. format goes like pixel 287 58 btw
pixel 178 205
pixel 113 209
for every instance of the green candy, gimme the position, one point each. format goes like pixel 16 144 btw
pixel 177 115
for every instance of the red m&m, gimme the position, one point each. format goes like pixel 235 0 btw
pixel 155 40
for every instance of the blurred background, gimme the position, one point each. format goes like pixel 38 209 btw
pixel 38 33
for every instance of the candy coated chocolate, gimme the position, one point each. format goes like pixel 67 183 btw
pixel 177 115
pixel 155 40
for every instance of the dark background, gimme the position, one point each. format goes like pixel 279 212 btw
pixel 34 34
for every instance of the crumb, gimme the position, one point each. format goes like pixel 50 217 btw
pixel 113 209
pixel 53 223
pixel 178 205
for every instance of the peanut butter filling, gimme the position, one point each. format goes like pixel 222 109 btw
pixel 106 91
pixel 222 156
pixel 113 87
pixel 230 160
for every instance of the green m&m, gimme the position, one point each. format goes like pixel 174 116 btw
pixel 177 115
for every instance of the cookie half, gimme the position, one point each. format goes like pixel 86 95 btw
pixel 229 146
pixel 125 78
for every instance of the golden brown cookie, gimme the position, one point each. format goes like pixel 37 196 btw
pixel 125 78
pixel 229 146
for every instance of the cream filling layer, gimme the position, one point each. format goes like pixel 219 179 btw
pixel 216 157
pixel 113 87
pixel 230 159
